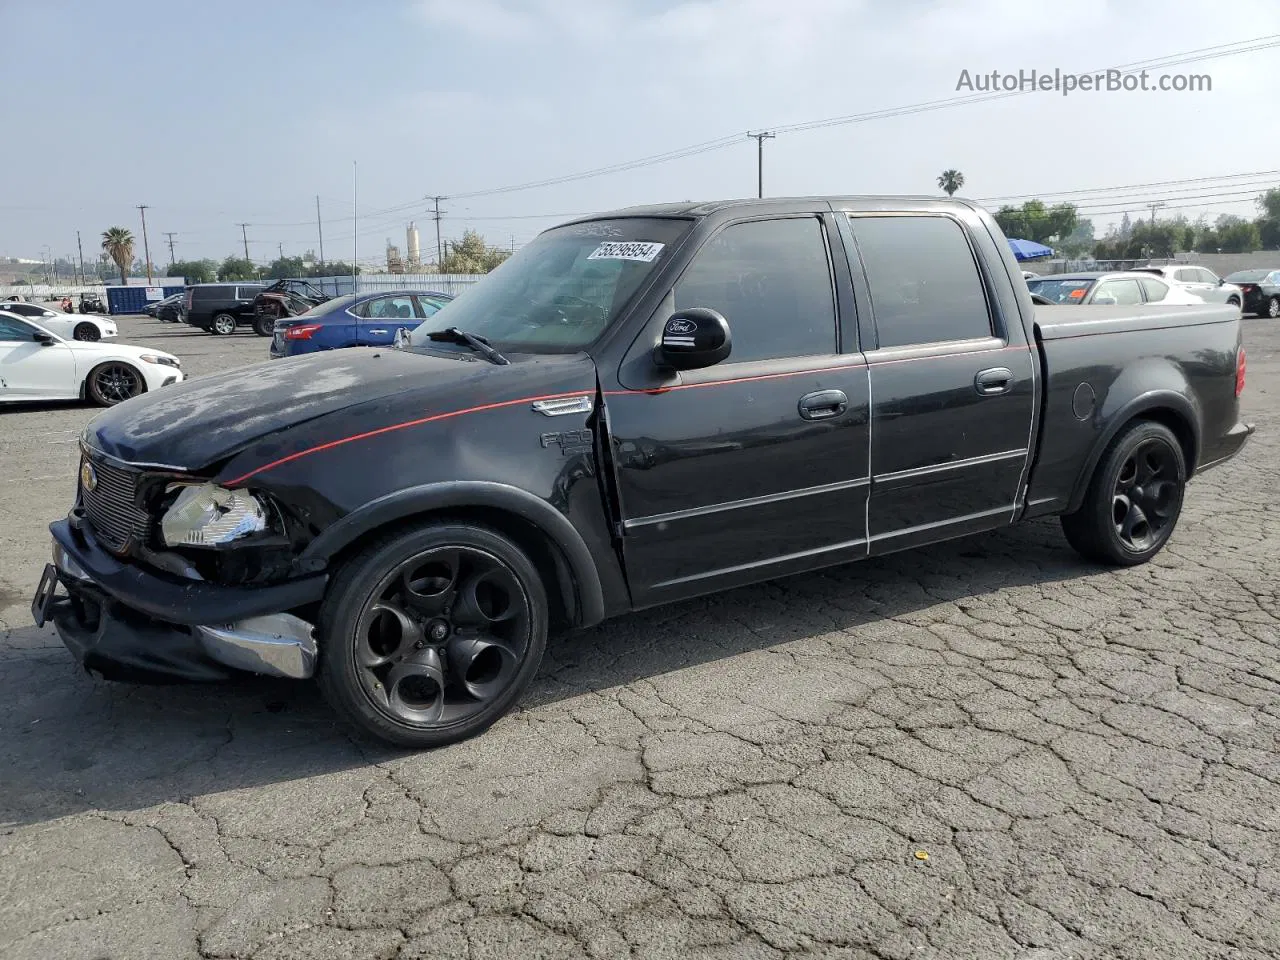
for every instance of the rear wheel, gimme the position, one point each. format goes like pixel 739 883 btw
pixel 1273 308
pixel 223 325
pixel 1134 498
pixel 264 324
pixel 429 636
pixel 112 383
pixel 86 332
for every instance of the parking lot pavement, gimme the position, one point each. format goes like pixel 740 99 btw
pixel 984 749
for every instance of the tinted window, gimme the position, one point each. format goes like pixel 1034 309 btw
pixel 771 281
pixel 925 285
pixel 1125 292
pixel 11 328
pixel 247 293
pixel 1248 276
pixel 26 309
pixel 1155 289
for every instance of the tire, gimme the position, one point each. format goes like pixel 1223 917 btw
pixel 1233 302
pixel 428 637
pixel 222 325
pixel 86 332
pixel 264 325
pixel 113 382
pixel 1273 308
pixel 1134 497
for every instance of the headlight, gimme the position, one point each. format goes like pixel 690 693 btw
pixel 206 515
pixel 156 358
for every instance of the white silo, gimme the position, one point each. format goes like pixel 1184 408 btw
pixel 411 245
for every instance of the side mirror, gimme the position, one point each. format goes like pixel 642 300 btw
pixel 1221 281
pixel 42 338
pixel 694 338
pixel 401 339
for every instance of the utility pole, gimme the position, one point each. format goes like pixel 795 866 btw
pixel 280 247
pixel 760 138
pixel 1155 206
pixel 80 247
pixel 355 233
pixel 439 245
pixel 171 257
pixel 146 249
pixel 244 235
pixel 320 229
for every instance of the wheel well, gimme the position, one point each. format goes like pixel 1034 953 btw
pixel 1181 429
pixel 84 384
pixel 549 560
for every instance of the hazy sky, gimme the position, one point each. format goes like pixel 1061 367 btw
pixel 217 113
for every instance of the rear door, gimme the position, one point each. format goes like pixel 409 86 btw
pixel 382 316
pixel 952 383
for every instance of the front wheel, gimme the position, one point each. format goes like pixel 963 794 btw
pixel 224 324
pixel 112 383
pixel 86 332
pixel 1273 308
pixel 1134 498
pixel 428 637
pixel 264 324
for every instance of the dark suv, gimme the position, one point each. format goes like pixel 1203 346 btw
pixel 221 307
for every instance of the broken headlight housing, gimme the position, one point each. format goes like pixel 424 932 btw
pixel 207 515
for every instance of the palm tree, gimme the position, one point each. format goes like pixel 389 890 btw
pixel 117 243
pixel 951 181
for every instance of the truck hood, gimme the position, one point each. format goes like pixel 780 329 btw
pixel 197 423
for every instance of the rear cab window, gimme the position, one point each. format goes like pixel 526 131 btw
pixel 923 279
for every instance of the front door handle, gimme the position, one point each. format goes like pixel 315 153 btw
pixel 823 405
pixel 993 382
pixel 377 331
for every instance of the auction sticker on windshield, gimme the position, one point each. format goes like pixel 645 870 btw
pixel 636 250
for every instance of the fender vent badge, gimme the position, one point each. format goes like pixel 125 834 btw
pixel 561 406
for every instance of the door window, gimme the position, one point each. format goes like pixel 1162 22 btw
pixel 1156 290
pixel 13 329
pixel 924 283
pixel 1187 276
pixel 1207 276
pixel 430 305
pixel 389 308
pixel 771 280
pixel 1124 292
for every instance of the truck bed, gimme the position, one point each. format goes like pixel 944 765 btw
pixel 1061 322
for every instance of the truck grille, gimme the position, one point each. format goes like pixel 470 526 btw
pixel 111 507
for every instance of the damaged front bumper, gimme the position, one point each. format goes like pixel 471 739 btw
pixel 131 624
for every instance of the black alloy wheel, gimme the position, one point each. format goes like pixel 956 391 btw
pixel 113 383
pixel 431 636
pixel 1134 498
pixel 86 332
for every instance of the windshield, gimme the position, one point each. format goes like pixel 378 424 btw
pixel 559 293
pixel 1248 276
pixel 1060 291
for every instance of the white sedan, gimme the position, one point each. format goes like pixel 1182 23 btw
pixel 37 364
pixel 66 325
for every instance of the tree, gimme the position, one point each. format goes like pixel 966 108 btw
pixel 237 268
pixel 1079 240
pixel 1269 203
pixel 949 181
pixel 287 267
pixel 195 271
pixel 117 243
pixel 333 268
pixel 1237 235
pixel 472 255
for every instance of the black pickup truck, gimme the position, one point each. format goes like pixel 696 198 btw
pixel 636 408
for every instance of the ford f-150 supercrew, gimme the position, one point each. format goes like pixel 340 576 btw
pixel 636 408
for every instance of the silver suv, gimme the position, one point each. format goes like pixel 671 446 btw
pixel 1199 281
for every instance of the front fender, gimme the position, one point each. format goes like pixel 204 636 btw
pixel 467 493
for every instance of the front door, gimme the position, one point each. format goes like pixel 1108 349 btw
pixel 30 370
pixel 952 386
pixel 756 466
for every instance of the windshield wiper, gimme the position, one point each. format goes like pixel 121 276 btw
pixel 479 344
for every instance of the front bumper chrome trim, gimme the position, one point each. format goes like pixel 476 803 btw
pixel 278 644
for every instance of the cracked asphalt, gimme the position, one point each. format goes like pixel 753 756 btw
pixel 985 749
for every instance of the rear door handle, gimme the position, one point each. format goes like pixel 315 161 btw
pixel 823 405
pixel 993 382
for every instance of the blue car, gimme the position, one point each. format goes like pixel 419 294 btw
pixel 356 320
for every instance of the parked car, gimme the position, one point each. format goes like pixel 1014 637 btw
pixel 37 364
pixel 1260 290
pixel 1119 289
pixel 66 325
pixel 219 308
pixel 171 311
pixel 153 308
pixel 284 298
pixel 359 320
pixel 1199 281
pixel 92 303
pixel 637 408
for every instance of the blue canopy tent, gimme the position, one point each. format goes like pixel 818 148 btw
pixel 1029 249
